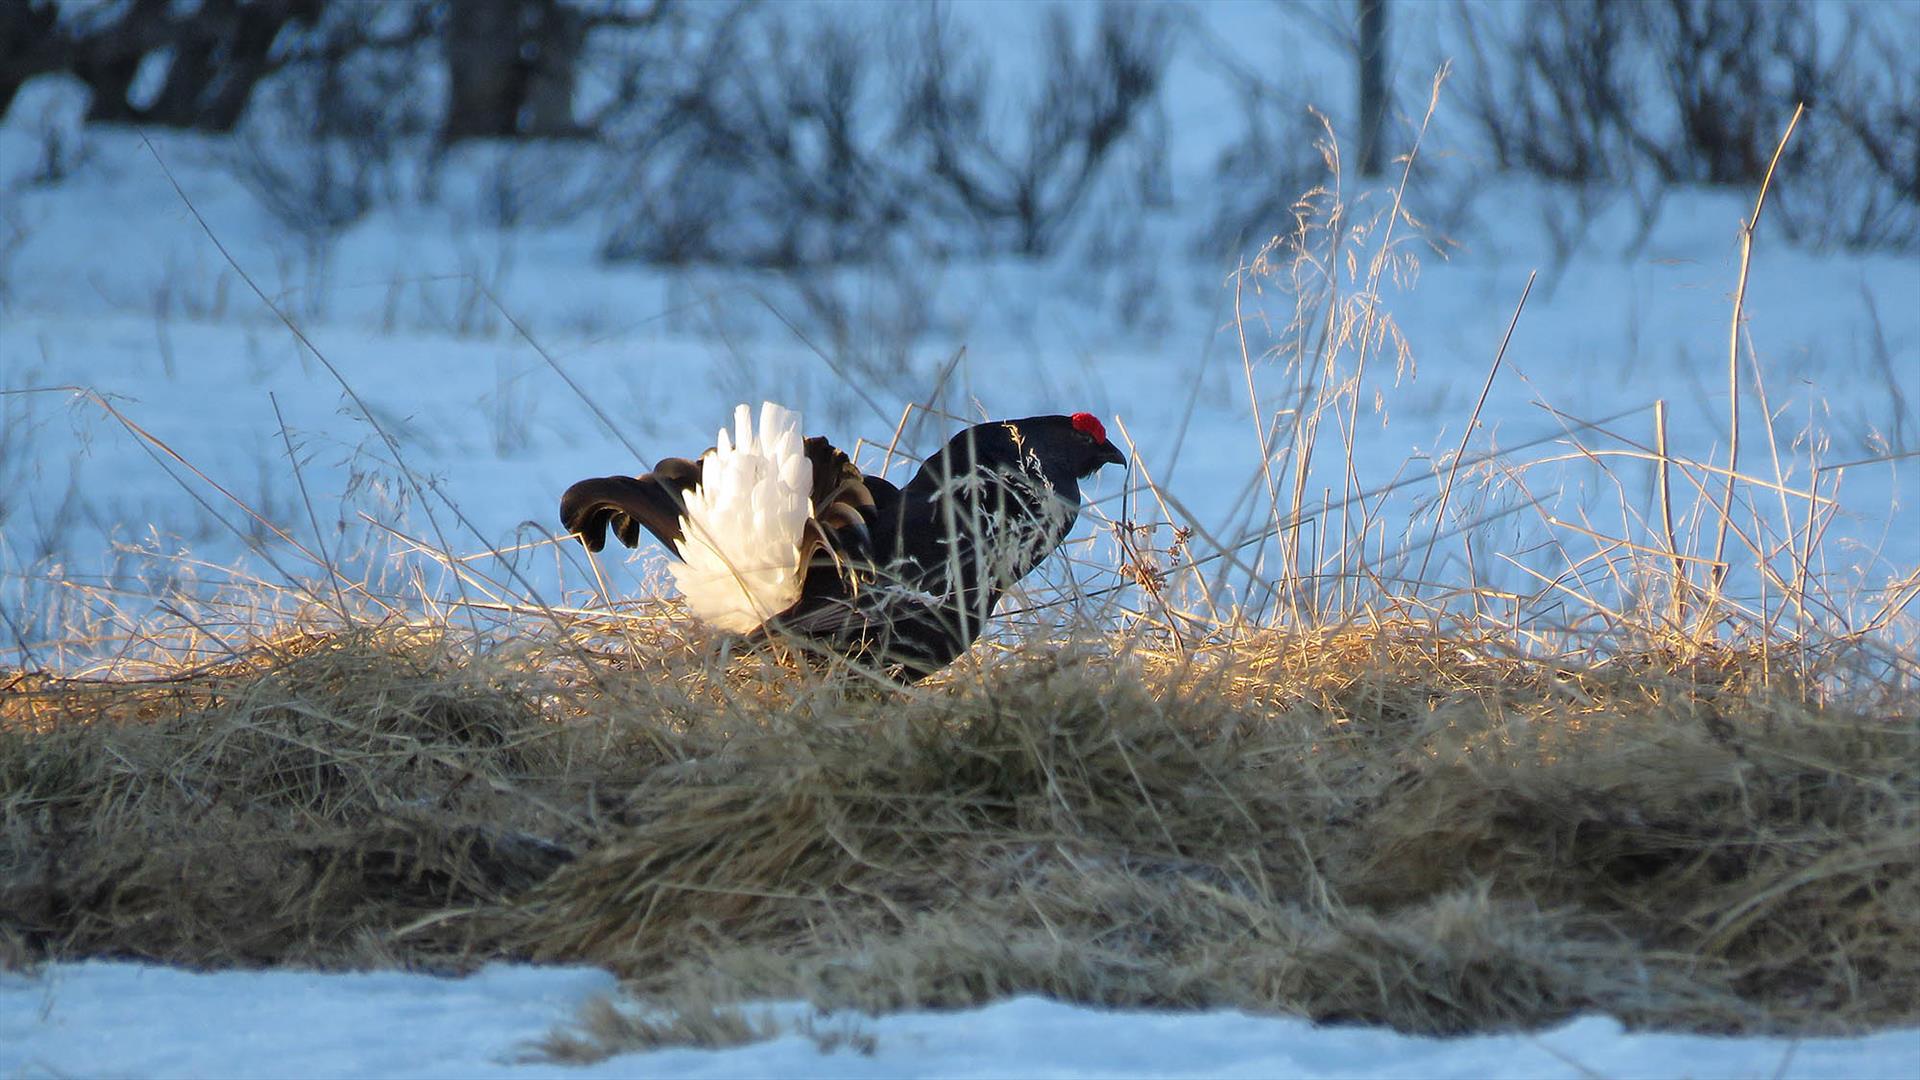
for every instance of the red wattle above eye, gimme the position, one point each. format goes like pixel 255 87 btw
pixel 1089 424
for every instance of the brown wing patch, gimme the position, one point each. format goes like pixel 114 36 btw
pixel 843 506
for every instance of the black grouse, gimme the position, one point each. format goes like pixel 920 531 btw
pixel 782 537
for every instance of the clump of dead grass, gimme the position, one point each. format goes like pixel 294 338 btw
pixel 283 806
pixel 1382 825
pixel 604 1028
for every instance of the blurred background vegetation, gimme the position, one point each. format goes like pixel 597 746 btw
pixel 807 134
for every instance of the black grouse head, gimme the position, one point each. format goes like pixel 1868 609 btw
pixel 1062 449
pixel 1077 443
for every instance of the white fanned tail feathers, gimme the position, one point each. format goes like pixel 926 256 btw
pixel 743 524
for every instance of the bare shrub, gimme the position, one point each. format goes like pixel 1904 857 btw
pixel 868 318
pixel 337 132
pixel 13 236
pixel 322 145
pixel 797 148
pixel 1697 91
pixel 1731 71
pixel 1693 89
pixel 1554 95
pixel 1023 192
pixel 1281 154
pixel 1857 184
pixel 539 183
pixel 316 188
pixel 776 163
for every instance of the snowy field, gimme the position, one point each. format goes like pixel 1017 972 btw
pixel 119 292
pixel 486 357
pixel 420 409
pixel 110 1019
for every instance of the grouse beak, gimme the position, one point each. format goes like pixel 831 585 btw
pixel 1110 455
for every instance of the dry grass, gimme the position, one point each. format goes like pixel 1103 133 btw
pixel 1378 825
pixel 604 1028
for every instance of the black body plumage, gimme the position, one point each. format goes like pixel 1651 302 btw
pixel 902 579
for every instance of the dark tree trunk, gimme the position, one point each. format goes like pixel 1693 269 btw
pixel 249 58
pixel 487 67
pixel 108 60
pixel 562 35
pixel 220 51
pixel 30 44
pixel 1373 86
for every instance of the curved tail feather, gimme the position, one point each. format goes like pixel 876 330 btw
pixel 625 503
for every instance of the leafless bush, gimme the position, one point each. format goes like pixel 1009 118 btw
pixel 13 237
pixel 1697 91
pixel 1730 72
pixel 1860 166
pixel 777 162
pixel 314 187
pixel 796 147
pixel 869 317
pixel 1694 89
pixel 595 113
pixel 1882 112
pixel 1022 192
pixel 1554 94
pixel 322 144
pixel 1279 156
pixel 535 182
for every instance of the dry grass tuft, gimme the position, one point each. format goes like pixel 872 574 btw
pixel 289 806
pixel 1379 825
pixel 603 1029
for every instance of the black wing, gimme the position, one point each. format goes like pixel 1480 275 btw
pixel 906 634
pixel 865 592
pixel 625 503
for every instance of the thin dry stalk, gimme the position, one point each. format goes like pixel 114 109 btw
pixel 1718 576
pixel 1663 472
pixel 1473 421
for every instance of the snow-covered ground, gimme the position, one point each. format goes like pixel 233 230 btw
pixel 116 1019
pixel 117 289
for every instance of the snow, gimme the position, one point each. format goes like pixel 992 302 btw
pixel 104 1018
pixel 117 289
pixel 118 1019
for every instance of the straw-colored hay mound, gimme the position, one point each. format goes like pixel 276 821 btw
pixel 1370 825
